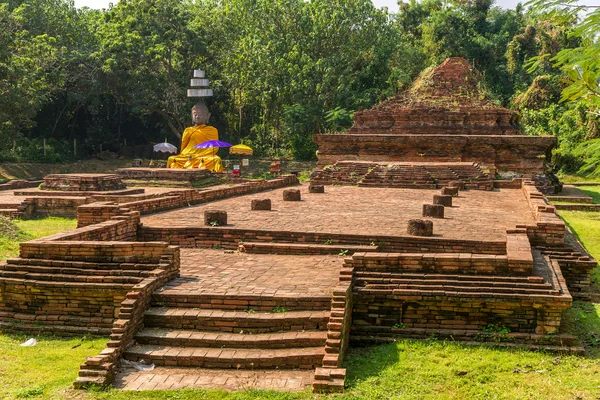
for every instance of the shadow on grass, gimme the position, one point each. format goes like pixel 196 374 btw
pixel 593 192
pixel 583 321
pixel 369 361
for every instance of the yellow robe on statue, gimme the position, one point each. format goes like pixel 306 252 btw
pixel 191 157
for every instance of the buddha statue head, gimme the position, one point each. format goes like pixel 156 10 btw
pixel 200 114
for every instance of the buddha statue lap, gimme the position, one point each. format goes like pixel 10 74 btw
pixel 190 156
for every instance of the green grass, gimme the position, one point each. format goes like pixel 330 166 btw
pixel 585 225
pixel 401 370
pixel 44 371
pixel 593 192
pixel 575 179
pixel 33 229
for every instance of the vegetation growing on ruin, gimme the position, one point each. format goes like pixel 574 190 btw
pixel 14 232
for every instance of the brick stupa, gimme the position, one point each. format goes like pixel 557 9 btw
pixel 444 117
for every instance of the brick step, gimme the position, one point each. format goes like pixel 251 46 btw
pixel 69 278
pixel 305 248
pixel 557 344
pixel 81 264
pixel 460 289
pixel 483 283
pixel 462 278
pixel 188 338
pixel 64 324
pixel 375 333
pixel 57 329
pixel 92 373
pixel 9 206
pixel 400 181
pixel 70 285
pixel 9 212
pixel 577 207
pixel 240 302
pixel 302 358
pixel 399 186
pixel 329 380
pixel 569 199
pixel 74 271
pixel 235 321
pixel 88 381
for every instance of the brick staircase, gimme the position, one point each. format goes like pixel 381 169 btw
pixel 403 175
pixel 342 173
pixel 59 291
pixel 461 305
pixel 230 331
pixel 15 210
pixel 399 176
pixel 402 283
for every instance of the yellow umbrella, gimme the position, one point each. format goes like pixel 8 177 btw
pixel 241 149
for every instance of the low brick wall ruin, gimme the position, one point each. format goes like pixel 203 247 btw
pixel 19 184
pixel 74 282
pixel 401 291
pixel 230 238
pixel 549 229
pixel 512 153
pixel 98 212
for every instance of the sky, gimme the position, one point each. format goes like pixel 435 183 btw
pixel 391 4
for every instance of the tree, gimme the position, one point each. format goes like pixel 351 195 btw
pixel 148 51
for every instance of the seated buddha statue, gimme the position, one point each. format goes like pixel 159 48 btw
pixel 190 156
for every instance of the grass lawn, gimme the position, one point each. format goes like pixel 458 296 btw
pixel 401 370
pixel 32 229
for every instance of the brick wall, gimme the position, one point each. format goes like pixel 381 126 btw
pixel 53 307
pixel 19 184
pixel 549 229
pixel 117 228
pixel 98 212
pixel 511 153
pixel 229 238
pixel 57 206
pixel 382 300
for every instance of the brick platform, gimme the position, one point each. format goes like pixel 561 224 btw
pixel 82 182
pixel 168 174
pixel 365 211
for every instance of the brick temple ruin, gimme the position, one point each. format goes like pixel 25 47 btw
pixel 272 297
pixel 443 128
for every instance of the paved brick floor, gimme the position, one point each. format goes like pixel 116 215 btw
pixel 377 211
pixel 217 271
pixel 185 378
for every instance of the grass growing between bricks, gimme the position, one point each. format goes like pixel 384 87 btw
pixel 14 232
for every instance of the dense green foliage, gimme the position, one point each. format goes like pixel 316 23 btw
pixel 282 70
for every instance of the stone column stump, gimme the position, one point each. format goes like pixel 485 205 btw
pixel 420 227
pixel 291 195
pixel 260 205
pixel 215 217
pixel 450 191
pixel 459 184
pixel 316 189
pixel 433 210
pixel 445 201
